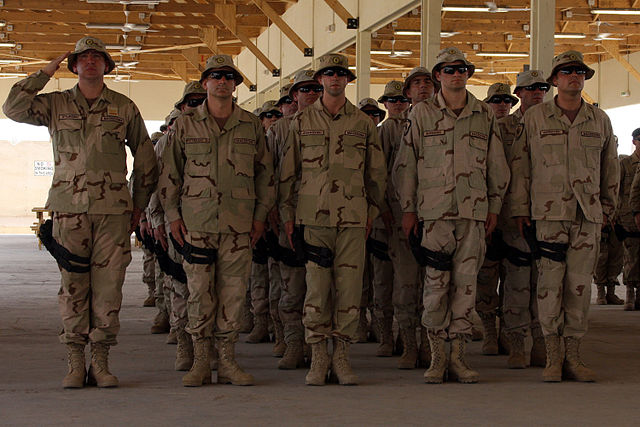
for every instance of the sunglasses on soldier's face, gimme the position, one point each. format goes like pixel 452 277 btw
pixel 499 99
pixel 373 113
pixel 272 114
pixel 307 89
pixel 217 75
pixel 451 69
pixel 287 100
pixel 398 99
pixel 573 69
pixel 537 86
pixel 330 72
pixel 194 102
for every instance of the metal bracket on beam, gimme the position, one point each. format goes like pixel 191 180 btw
pixel 308 51
pixel 253 88
pixel 275 72
pixel 353 23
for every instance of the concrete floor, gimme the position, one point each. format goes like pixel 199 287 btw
pixel 32 364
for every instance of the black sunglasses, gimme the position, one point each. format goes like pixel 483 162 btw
pixel 330 72
pixel 581 71
pixel 398 99
pixel 451 69
pixel 194 102
pixel 217 75
pixel 373 113
pixel 537 86
pixel 498 99
pixel 272 114
pixel 307 89
pixel 286 100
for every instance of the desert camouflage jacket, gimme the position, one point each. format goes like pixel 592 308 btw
pixel 390 132
pixel 90 173
pixel 628 168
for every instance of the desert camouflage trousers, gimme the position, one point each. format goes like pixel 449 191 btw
pixel 519 304
pixel 292 292
pixel 90 302
pixel 163 290
pixel 179 293
pixel 564 288
pixel 381 279
pixel 332 302
pixel 406 293
pixel 488 301
pixel 631 270
pixel 610 259
pixel 148 269
pixel 217 290
pixel 449 296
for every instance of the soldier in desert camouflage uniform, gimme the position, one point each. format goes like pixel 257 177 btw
pixel 451 174
pixel 333 152
pixel 216 188
pixel 608 267
pixel 94 213
pixel 626 218
pixel 304 91
pixel 565 177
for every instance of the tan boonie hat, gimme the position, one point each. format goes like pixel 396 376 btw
pixel 284 93
pixel 334 60
pixel 90 43
pixel 221 62
pixel 192 88
pixel 172 116
pixel 371 104
pixel 417 72
pixel 302 77
pixel 268 107
pixel 500 89
pixel 565 58
pixel 451 54
pixel 528 78
pixel 392 89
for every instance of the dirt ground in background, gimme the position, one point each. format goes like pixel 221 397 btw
pixel 32 365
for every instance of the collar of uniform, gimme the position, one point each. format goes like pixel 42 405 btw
pixel 347 109
pixel 518 114
pixel 105 95
pixel 585 112
pixel 472 103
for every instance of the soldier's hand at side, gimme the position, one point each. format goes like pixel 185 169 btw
pixel 410 223
pixel 522 221
pixel 178 230
pixel 389 221
pixel 53 66
pixel 257 231
pixel 369 226
pixel 135 219
pixel 288 228
pixel 160 235
pixel 145 228
pixel 490 223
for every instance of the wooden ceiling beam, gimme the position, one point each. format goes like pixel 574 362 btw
pixel 612 48
pixel 180 68
pixel 340 10
pixel 284 27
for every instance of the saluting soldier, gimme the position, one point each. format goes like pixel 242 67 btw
pixel 93 212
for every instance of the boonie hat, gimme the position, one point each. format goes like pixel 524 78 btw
pixel 528 78
pixel 417 72
pixel 392 89
pixel 221 62
pixel 565 58
pixel 90 43
pixel 334 60
pixel 301 77
pixel 192 88
pixel 451 54
pixel 284 93
pixel 371 104
pixel 500 89
pixel 268 107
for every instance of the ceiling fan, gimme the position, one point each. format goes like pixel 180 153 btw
pixel 126 27
pixel 604 36
pixel 394 53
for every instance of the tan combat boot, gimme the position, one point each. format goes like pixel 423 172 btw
pixel 490 335
pixel 161 323
pixel 436 372
pixel 229 372
pixel 385 325
pixel 279 346
pixel 538 350
pixel 611 296
pixel 317 374
pixel 630 298
pixel 409 358
pixel 172 338
pixel 458 368
pixel 213 355
pixel 424 352
pixel 516 358
pixel 573 367
pixel 200 372
pixel 555 357
pixel 184 351
pixel 150 301
pixel 601 299
pixel 363 327
pixel 340 365
pixel 293 357
pixel 99 370
pixel 77 371
pixel 260 331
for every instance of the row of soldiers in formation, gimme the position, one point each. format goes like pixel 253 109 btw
pixel 431 185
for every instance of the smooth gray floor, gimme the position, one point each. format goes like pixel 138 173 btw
pixel 32 365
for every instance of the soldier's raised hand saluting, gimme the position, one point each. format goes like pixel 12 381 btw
pixel 53 66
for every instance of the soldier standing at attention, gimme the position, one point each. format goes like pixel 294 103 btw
pixel 629 209
pixel 520 302
pixel 565 178
pixel 93 212
pixel 304 91
pixel 286 104
pixel 334 159
pixel 216 188
pixel 451 175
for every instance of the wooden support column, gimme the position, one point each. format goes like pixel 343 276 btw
pixel 542 27
pixel 430 25
pixel 363 64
